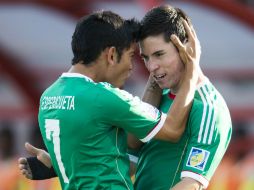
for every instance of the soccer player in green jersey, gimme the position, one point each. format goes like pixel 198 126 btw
pixel 83 117
pixel 191 162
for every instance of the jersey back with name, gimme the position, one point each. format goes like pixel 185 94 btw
pixel 78 119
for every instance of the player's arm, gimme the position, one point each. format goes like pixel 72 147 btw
pixel 177 116
pixel 188 184
pixel 38 167
pixel 152 95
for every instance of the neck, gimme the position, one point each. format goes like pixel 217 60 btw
pixel 92 71
pixel 201 78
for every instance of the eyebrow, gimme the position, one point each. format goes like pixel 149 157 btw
pixel 159 51
pixel 154 53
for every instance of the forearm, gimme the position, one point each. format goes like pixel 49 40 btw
pixel 152 93
pixel 132 169
pixel 179 110
pixel 133 142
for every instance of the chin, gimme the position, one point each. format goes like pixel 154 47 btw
pixel 120 85
pixel 162 85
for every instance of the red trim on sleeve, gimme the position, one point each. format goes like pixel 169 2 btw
pixel 171 96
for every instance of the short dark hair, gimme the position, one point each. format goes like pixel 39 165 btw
pixel 164 20
pixel 99 30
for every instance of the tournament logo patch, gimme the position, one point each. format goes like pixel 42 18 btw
pixel 198 158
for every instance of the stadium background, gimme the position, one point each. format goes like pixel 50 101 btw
pixel 35 38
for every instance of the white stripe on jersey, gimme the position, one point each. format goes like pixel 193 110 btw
pixel 210 108
pixel 213 123
pixel 210 118
pixel 203 115
pixel 212 127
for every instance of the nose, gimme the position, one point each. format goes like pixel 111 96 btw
pixel 152 66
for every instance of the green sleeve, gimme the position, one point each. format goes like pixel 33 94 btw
pixel 119 108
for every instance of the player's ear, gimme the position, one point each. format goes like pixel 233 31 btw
pixel 112 55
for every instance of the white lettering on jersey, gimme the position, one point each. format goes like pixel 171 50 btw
pixel 58 102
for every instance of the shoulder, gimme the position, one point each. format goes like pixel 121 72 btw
pixel 108 93
pixel 206 96
pixel 110 90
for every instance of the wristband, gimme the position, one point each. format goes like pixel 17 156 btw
pixel 39 170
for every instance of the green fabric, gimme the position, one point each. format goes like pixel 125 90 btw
pixel 83 125
pixel 199 150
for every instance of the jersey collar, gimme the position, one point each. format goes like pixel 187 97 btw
pixel 76 75
pixel 171 95
pixel 204 82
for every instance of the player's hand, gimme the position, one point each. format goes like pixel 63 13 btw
pixel 24 168
pixel 41 154
pixel 190 51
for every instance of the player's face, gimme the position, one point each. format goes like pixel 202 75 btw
pixel 124 68
pixel 162 61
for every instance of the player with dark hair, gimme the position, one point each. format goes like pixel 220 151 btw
pixel 83 116
pixel 191 162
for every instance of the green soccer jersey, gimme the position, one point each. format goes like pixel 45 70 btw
pixel 199 151
pixel 83 125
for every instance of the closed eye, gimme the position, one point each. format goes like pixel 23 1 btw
pixel 158 53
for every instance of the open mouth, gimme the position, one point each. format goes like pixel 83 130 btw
pixel 159 77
